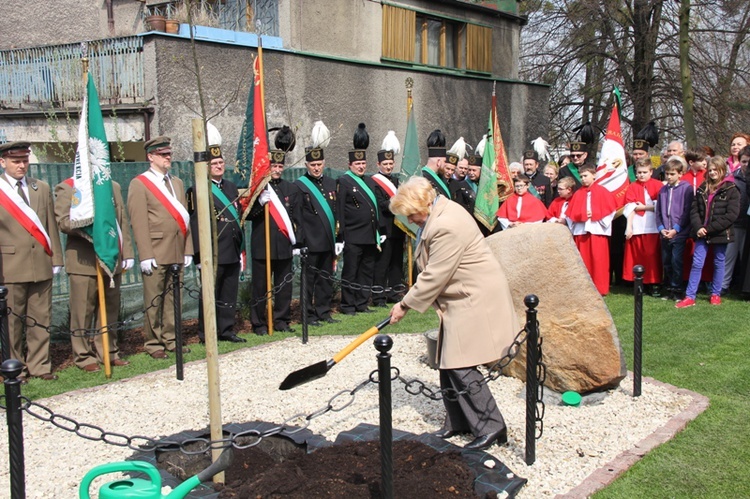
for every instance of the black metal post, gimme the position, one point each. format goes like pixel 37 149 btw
pixel 11 370
pixel 174 269
pixel 384 343
pixel 532 362
pixel 303 291
pixel 4 332
pixel 638 270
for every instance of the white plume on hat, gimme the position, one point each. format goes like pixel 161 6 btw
pixel 459 148
pixel 542 148
pixel 479 149
pixel 214 137
pixel 320 135
pixel 391 143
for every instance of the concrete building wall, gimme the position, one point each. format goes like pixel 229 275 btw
pixel 301 89
pixel 52 22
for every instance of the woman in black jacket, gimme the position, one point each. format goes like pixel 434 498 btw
pixel 715 208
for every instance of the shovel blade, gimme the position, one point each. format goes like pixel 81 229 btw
pixel 306 374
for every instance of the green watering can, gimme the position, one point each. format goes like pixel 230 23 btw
pixel 138 488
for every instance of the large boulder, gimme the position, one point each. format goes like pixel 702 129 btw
pixel 581 348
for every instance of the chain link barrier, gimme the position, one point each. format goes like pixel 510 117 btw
pixel 190 446
pixel 377 289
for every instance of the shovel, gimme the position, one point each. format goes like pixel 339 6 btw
pixel 318 370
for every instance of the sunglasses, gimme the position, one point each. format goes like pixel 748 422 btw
pixel 576 155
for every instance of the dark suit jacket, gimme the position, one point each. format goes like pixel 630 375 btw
pixel 228 232
pixel 313 229
pixel 22 258
pixel 281 247
pixel 388 227
pixel 358 216
pixel 80 257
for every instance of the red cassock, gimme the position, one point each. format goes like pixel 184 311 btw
pixel 555 208
pixel 593 247
pixel 644 247
pixel 532 209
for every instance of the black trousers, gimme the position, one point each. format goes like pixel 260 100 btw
pixel 359 268
pixel 476 412
pixel 282 299
pixel 227 283
pixel 319 287
pixel 617 247
pixel 389 271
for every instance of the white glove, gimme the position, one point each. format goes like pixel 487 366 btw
pixel 382 239
pixel 148 266
pixel 338 248
pixel 264 197
pixel 56 269
pixel 198 266
pixel 188 260
pixel 128 263
pixel 296 252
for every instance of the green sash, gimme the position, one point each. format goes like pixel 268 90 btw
pixel 572 168
pixel 631 173
pixel 228 206
pixel 312 189
pixel 446 192
pixel 371 195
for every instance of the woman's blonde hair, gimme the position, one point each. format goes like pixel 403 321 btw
pixel 416 195
pixel 721 166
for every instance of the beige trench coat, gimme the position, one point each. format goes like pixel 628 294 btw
pixel 464 282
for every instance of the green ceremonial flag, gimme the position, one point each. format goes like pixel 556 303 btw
pixel 409 166
pixel 487 203
pixel 92 208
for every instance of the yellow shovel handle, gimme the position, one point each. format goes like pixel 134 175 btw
pixel 360 339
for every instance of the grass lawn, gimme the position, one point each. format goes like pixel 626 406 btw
pixel 702 348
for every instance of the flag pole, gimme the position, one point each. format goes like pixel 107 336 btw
pixel 407 240
pixel 99 278
pixel 266 208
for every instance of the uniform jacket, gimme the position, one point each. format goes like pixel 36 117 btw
pixel 156 233
pixel 228 232
pixel 358 217
pixel 80 258
pixel 313 229
pixel 388 226
pixel 542 186
pixel 722 212
pixel 22 258
pixel 464 195
pixel 281 247
pixel 464 282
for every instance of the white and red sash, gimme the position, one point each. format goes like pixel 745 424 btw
pixel 281 216
pixel 178 212
pixel 24 215
pixel 385 184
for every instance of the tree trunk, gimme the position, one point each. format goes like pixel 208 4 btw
pixel 688 97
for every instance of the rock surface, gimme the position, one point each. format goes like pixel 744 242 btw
pixel 581 348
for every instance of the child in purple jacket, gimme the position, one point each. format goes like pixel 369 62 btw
pixel 673 222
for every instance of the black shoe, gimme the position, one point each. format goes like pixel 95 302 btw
pixel 487 441
pixel 379 305
pixel 446 433
pixel 286 330
pixel 234 339
pixel 314 324
pixel 366 311
pixel 261 332
pixel 331 320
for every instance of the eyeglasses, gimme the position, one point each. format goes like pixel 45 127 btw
pixel 164 154
pixel 576 156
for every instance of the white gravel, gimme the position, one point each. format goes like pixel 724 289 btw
pixel 576 441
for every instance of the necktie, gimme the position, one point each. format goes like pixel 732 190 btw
pixel 19 188
pixel 168 184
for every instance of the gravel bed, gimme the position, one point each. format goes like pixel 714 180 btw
pixel 575 443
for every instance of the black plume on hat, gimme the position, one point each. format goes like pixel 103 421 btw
pixel 285 139
pixel 586 133
pixel 649 133
pixel 361 137
pixel 436 139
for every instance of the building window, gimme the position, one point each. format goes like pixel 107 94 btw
pixel 434 41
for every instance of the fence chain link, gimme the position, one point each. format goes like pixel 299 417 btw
pixel 377 289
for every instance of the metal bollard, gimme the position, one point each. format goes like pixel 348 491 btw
pixel 11 370
pixel 532 363
pixel 383 344
pixel 174 270
pixel 4 331
pixel 303 291
pixel 638 270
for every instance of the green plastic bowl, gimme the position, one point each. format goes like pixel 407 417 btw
pixel 572 399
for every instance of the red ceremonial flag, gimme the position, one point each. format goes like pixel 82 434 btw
pixel 612 172
pixel 501 158
pixel 260 172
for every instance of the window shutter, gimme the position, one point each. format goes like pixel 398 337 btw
pixel 399 33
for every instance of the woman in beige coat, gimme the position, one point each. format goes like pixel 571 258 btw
pixel 465 284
